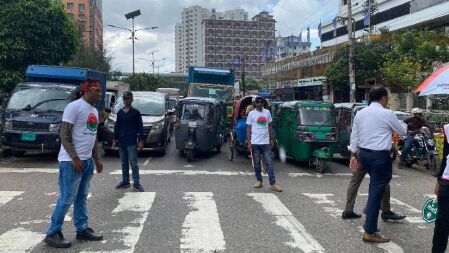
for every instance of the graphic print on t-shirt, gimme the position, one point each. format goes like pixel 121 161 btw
pixel 92 122
pixel 261 121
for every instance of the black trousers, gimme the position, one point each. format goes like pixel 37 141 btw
pixel 441 232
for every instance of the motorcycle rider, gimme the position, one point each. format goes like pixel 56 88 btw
pixel 414 124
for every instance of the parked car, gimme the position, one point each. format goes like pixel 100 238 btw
pixel 154 108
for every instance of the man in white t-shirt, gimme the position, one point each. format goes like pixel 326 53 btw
pixel 260 142
pixel 78 135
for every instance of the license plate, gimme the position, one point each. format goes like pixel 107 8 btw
pixel 28 137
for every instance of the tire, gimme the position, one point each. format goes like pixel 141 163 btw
pixel 231 152
pixel 434 166
pixel 189 155
pixel 408 163
pixel 320 165
pixel 18 153
pixel 218 147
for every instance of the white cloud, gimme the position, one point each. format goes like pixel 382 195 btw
pixel 291 16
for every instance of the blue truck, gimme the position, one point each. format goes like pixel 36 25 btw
pixel 212 82
pixel 34 110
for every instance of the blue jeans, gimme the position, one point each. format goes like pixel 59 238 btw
pixel 408 142
pixel 128 156
pixel 264 152
pixel 73 188
pixel 380 169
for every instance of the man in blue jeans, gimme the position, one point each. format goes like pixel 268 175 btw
pixel 78 134
pixel 128 131
pixel 260 142
pixel 371 135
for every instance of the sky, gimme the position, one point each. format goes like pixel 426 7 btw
pixel 291 16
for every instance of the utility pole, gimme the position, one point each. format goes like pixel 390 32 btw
pixel 351 54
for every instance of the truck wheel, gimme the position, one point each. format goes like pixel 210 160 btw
pixel 189 155
pixel 18 153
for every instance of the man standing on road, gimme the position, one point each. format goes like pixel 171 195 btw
pixel 414 124
pixel 353 187
pixel 260 136
pixel 78 135
pixel 128 130
pixel 441 232
pixel 371 138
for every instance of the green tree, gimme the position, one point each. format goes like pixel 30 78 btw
pixel 32 32
pixel 369 58
pixel 145 82
pixel 413 55
pixel 251 84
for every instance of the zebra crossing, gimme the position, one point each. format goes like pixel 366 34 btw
pixel 201 230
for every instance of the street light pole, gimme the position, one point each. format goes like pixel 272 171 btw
pixel 132 15
pixel 351 54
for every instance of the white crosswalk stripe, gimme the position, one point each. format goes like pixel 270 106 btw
pixel 330 208
pixel 285 219
pixel 6 196
pixel 201 230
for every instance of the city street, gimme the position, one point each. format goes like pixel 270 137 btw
pixel 209 205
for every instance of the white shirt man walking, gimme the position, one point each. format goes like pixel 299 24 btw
pixel 372 131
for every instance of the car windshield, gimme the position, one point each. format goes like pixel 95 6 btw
pixel 193 112
pixel 40 99
pixel 172 102
pixel 223 92
pixel 148 106
pixel 315 116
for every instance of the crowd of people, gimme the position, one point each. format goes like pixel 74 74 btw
pixel 370 154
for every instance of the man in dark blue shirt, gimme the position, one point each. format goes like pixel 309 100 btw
pixel 128 131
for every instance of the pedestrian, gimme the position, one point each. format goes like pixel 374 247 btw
pixel 353 186
pixel 129 138
pixel 78 134
pixel 441 231
pixel 261 142
pixel 414 124
pixel 371 138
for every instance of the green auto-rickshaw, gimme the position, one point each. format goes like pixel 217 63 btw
pixel 200 125
pixel 307 131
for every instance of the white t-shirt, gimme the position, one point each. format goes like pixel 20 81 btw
pixel 259 126
pixel 84 118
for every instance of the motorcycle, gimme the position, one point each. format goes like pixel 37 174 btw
pixel 423 151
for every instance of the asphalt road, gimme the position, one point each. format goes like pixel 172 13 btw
pixel 209 205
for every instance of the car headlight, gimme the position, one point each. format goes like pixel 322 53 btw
pixel 54 127
pixel 157 127
pixel 8 124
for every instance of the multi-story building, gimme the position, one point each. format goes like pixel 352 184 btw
pixel 240 43
pixel 287 47
pixel 189 34
pixel 395 15
pixel 189 38
pixel 88 18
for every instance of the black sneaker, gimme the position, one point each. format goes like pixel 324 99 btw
pixel 57 240
pixel 138 188
pixel 88 235
pixel 123 185
pixel 392 216
pixel 350 215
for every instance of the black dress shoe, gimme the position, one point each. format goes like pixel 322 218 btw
pixel 350 215
pixel 123 185
pixel 392 216
pixel 88 235
pixel 57 240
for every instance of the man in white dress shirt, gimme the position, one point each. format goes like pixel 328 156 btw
pixel 371 136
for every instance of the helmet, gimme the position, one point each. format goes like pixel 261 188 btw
pixel 416 111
